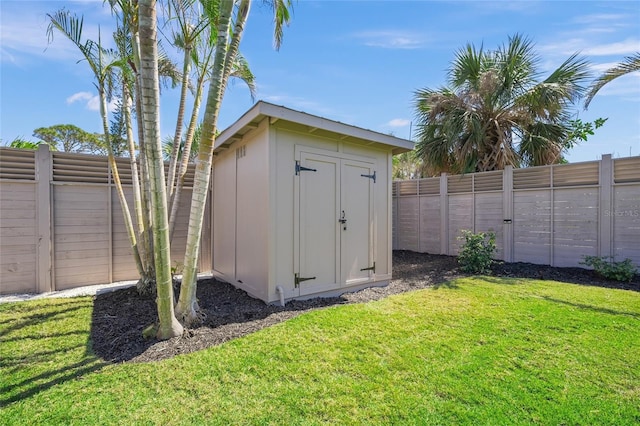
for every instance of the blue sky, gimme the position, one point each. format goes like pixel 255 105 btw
pixel 358 62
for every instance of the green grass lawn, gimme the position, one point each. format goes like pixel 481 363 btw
pixel 473 351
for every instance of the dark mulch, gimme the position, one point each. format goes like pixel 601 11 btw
pixel 120 316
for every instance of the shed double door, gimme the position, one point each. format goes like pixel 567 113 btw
pixel 335 222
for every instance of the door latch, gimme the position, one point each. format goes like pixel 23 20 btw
pixel 343 220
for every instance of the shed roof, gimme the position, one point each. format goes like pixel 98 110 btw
pixel 309 123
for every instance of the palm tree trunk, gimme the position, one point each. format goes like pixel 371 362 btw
pixel 168 325
pixel 135 179
pixel 178 134
pixel 184 161
pixel 187 305
pixel 128 223
pixel 146 285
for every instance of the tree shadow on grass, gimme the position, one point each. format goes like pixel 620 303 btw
pixel 61 309
pixel 592 308
pixel 41 382
pixel 35 357
pixel 446 284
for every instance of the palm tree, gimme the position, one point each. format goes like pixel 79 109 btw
pixel 230 27
pixel 495 112
pixel 190 25
pixel 629 64
pixel 150 87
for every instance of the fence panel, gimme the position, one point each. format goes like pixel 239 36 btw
pixel 488 217
pixel 81 235
pixel 61 224
pixel 626 222
pixel 430 223
pixel 460 217
pixel 575 225
pixel 18 238
pixel 408 222
pixel 552 215
pixel 532 226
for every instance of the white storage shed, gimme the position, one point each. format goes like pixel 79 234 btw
pixel 301 205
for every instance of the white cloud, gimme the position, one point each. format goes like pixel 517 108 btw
pixel 91 101
pixel 391 39
pixel 626 47
pixel 300 103
pixel 24 32
pixel 399 122
pixel 600 18
pixel 80 96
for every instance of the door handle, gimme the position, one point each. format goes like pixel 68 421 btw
pixel 342 219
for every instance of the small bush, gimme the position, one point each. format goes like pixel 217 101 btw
pixel 476 255
pixel 605 266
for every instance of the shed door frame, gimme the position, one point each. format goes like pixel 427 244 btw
pixel 341 160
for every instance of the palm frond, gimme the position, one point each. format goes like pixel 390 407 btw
pixel 628 65
pixel 281 16
pixel 242 71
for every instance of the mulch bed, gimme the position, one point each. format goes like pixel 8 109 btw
pixel 120 316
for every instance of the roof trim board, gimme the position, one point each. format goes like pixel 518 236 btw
pixel 263 109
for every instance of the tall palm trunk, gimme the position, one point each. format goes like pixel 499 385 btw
pixel 146 285
pixel 128 223
pixel 186 152
pixel 173 161
pixel 187 305
pixel 168 325
pixel 135 179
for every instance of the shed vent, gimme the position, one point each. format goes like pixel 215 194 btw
pixel 241 152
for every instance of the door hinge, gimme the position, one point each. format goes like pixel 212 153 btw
pixel 298 279
pixel 373 176
pixel 300 168
pixel 370 268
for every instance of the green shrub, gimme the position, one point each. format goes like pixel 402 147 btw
pixel 605 266
pixel 476 255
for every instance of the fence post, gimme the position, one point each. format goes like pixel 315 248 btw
pixel 444 215
pixel 394 216
pixel 507 214
pixel 44 252
pixel 605 213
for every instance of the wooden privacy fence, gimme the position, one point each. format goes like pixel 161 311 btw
pixel 552 215
pixel 61 223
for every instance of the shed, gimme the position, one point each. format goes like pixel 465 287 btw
pixel 301 205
